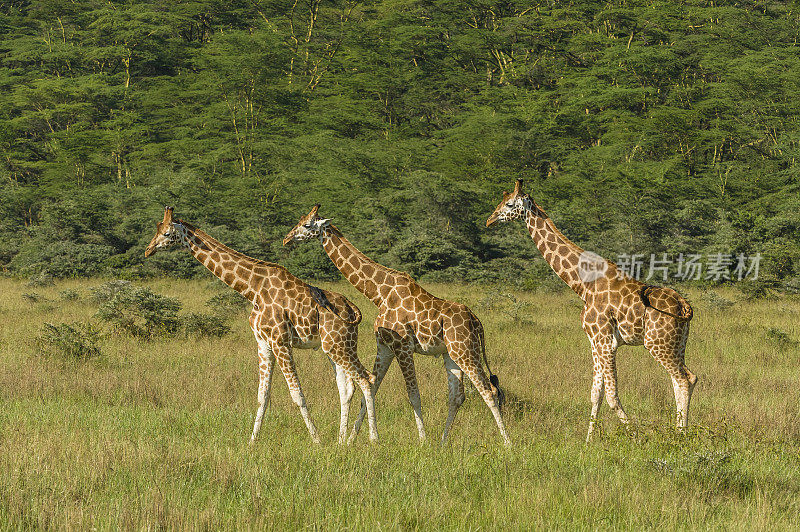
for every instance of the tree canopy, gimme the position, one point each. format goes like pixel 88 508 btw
pixel 641 127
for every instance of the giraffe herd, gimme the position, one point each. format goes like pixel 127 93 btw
pixel 288 313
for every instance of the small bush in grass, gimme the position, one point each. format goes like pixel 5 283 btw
pixel 205 325
pixel 42 279
pixel 141 312
pixel 780 338
pixel 753 290
pixel 31 297
pixel 499 300
pixel 69 295
pixel 106 291
pixel 716 301
pixel 77 341
pixel 227 302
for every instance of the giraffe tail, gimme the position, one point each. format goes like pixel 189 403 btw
pixel 666 301
pixel 321 299
pixel 493 380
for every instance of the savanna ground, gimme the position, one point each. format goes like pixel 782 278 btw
pixel 153 434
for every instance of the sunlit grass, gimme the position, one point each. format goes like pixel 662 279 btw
pixel 155 433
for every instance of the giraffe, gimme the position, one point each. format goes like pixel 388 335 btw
pixel 618 310
pixel 410 320
pixel 286 313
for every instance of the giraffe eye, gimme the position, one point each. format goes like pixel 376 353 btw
pixel 510 204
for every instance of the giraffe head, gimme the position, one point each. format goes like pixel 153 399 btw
pixel 166 234
pixel 514 206
pixel 309 226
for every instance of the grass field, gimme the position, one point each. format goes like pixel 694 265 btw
pixel 154 434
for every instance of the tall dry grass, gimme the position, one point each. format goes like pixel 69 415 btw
pixel 155 433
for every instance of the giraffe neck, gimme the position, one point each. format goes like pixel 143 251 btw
pixel 563 255
pixel 359 269
pixel 233 268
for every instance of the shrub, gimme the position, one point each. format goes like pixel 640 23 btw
pixel 31 297
pixel 43 279
pixel 498 300
pixel 77 341
pixel 716 301
pixel 204 325
pixel 141 312
pixel 70 294
pixel 106 291
pixel 753 290
pixel 780 338
pixel 62 259
pixel 227 302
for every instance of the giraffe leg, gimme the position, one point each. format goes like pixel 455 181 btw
pixel 597 395
pixel 684 407
pixel 667 347
pixel 683 382
pixel 469 361
pixel 610 383
pixel 283 354
pixel 357 373
pixel 265 367
pixel 346 388
pixel 383 359
pixel 455 386
pixel 405 358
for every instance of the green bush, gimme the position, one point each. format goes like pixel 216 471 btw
pixel 62 259
pixel 227 302
pixel 69 294
pixel 32 297
pixel 780 338
pixel 141 312
pixel 107 291
pixel 204 325
pixel 76 341
pixel 41 280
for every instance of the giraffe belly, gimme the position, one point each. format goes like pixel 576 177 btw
pixel 434 349
pixel 312 342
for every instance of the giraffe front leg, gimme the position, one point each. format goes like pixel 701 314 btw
pixel 597 395
pixel 283 354
pixel 455 387
pixel 265 367
pixel 383 359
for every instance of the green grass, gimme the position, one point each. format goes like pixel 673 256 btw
pixel 153 434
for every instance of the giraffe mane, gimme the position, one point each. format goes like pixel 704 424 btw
pixel 234 253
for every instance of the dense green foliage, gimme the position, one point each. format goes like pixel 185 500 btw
pixel 641 127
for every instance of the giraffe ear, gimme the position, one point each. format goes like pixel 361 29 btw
pixel 518 186
pixel 314 210
pixel 319 223
pixel 167 215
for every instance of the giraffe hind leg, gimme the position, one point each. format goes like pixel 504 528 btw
pixel 469 362
pixel 383 359
pixel 345 385
pixel 668 349
pixel 405 359
pixel 455 385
